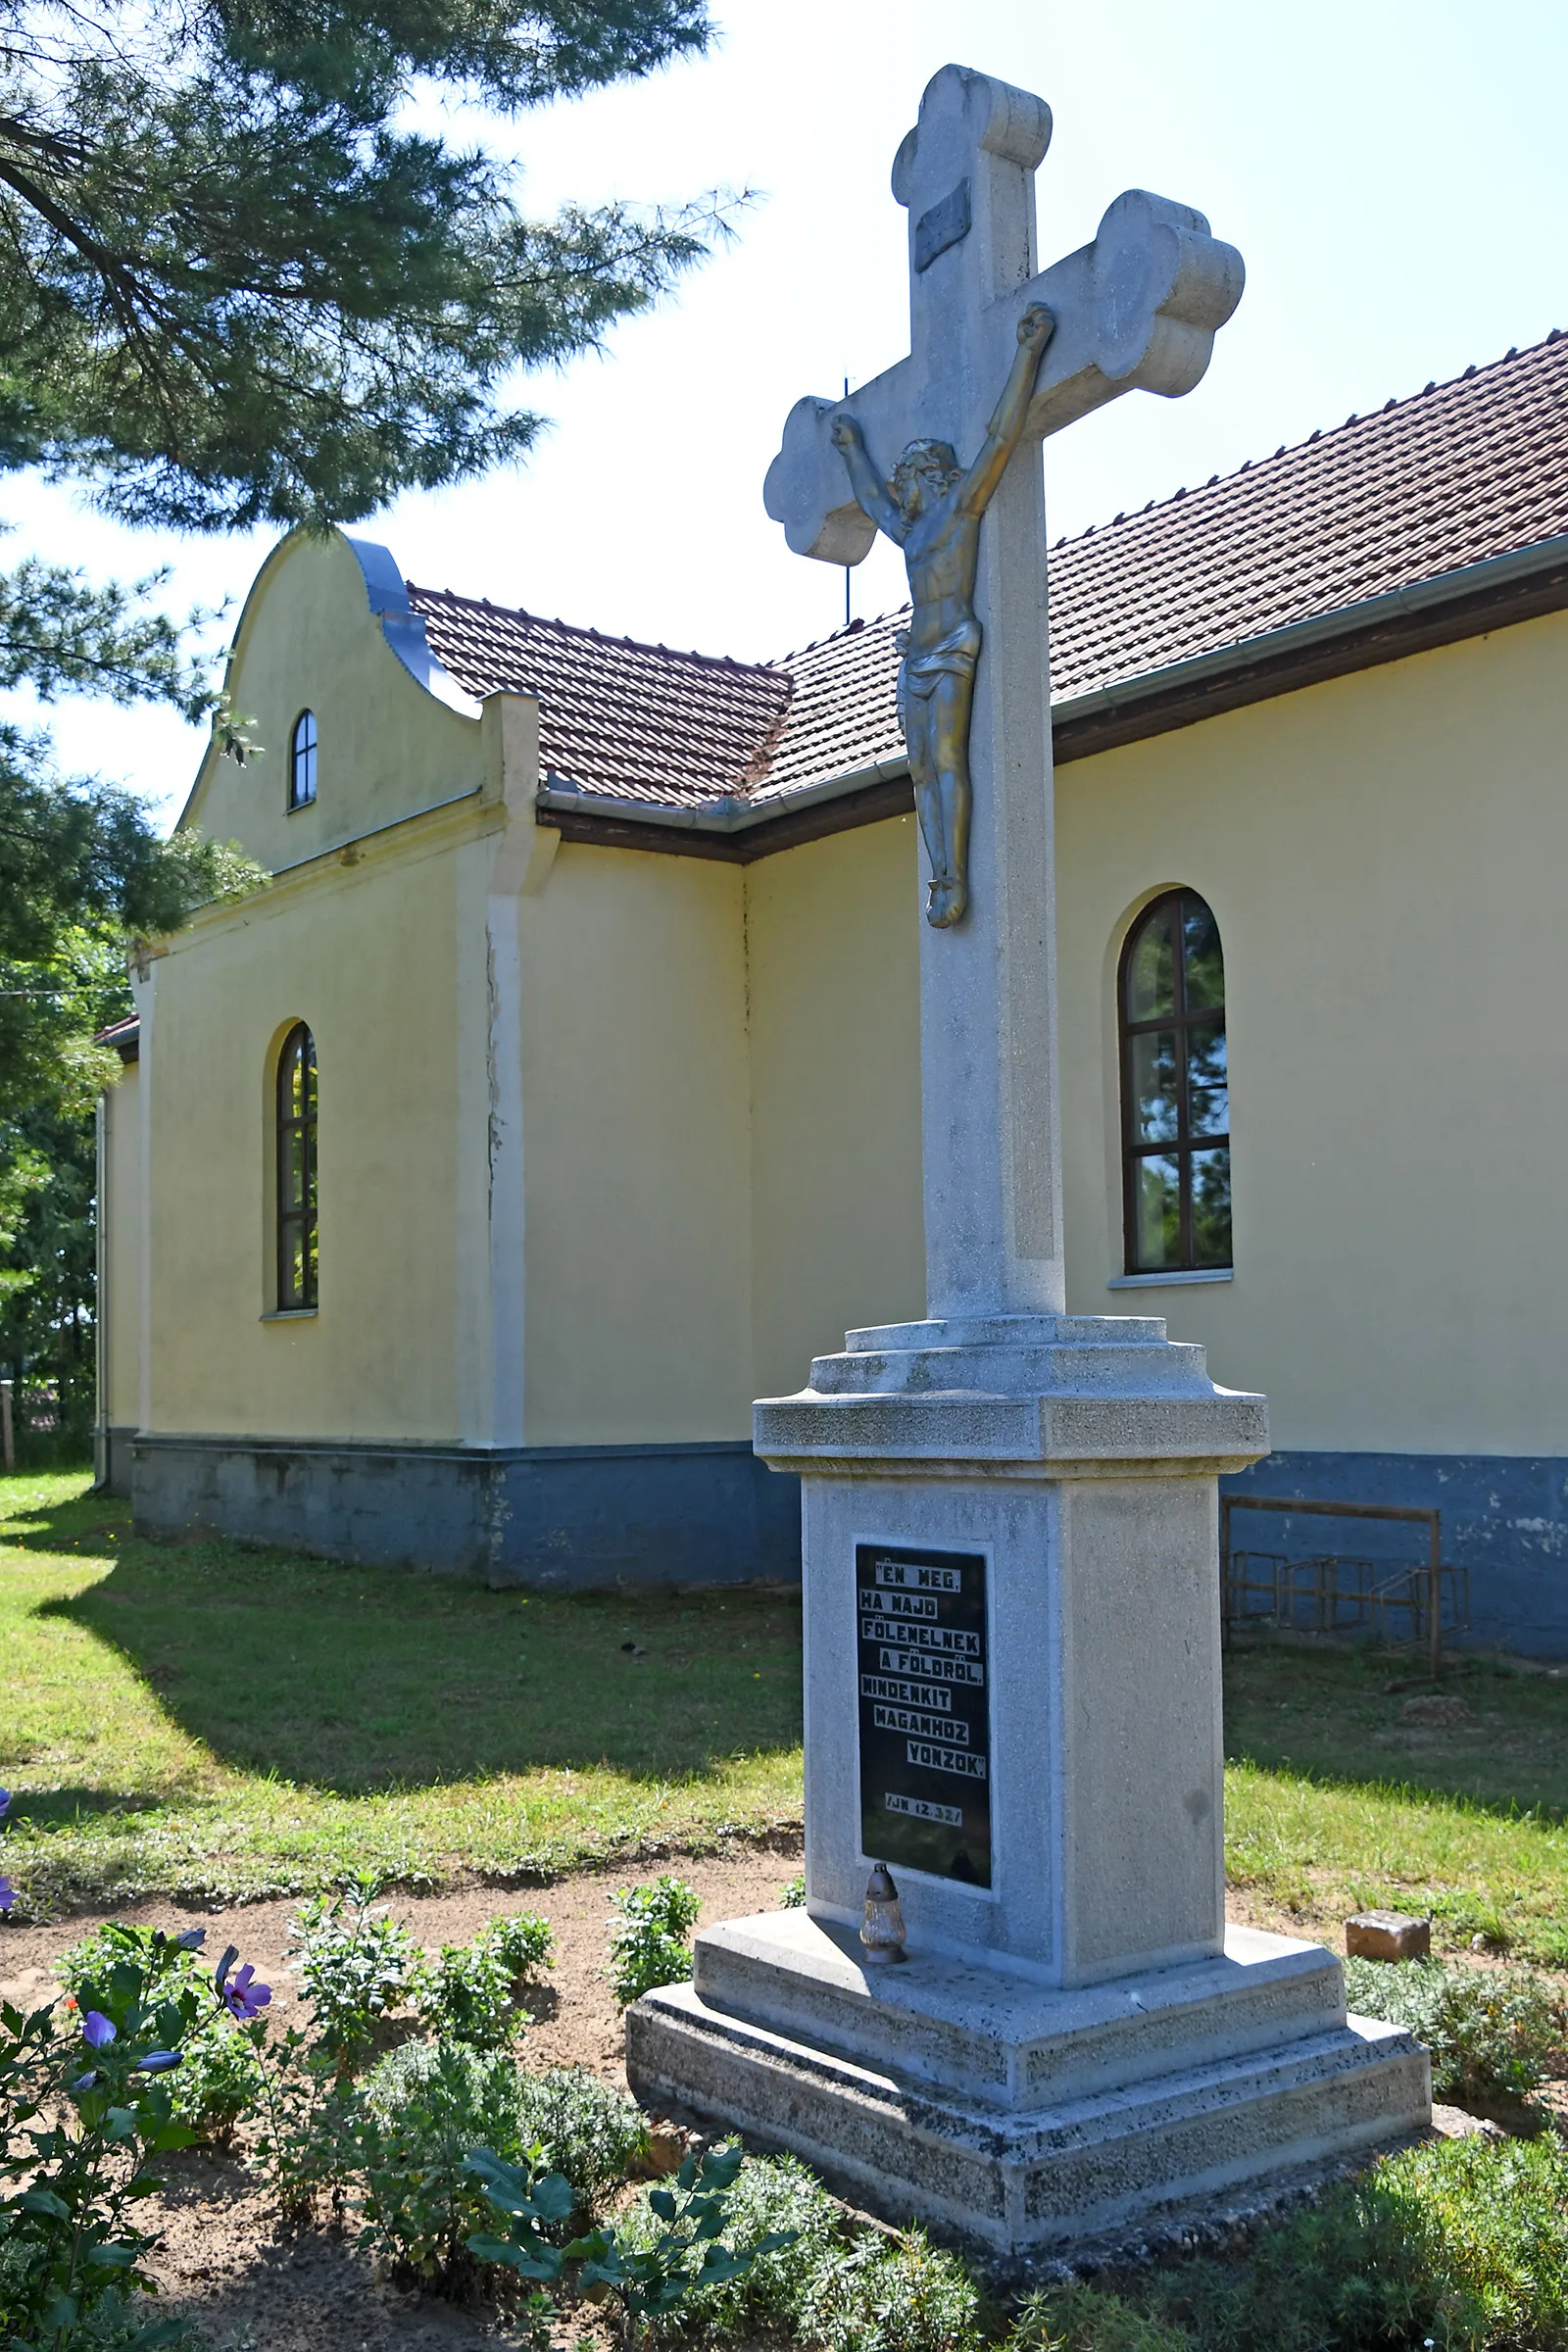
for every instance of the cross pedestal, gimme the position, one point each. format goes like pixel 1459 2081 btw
pixel 1009 1525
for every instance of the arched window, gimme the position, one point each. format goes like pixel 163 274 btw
pixel 296 1171
pixel 1175 1108
pixel 302 761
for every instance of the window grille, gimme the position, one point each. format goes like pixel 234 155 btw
pixel 1176 1144
pixel 302 761
pixel 296 1171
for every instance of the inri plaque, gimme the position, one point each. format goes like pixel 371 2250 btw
pixel 925 1713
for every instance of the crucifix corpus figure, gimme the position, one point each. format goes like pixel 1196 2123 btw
pixel 932 508
pixel 1136 310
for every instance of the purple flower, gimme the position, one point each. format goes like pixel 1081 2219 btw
pixel 157 2062
pixel 8 1894
pixel 245 1998
pixel 4 1802
pixel 85 2081
pixel 191 1941
pixel 96 2029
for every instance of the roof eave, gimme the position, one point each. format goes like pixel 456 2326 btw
pixel 732 826
pixel 1520 585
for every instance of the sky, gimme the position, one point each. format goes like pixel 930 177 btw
pixel 1394 174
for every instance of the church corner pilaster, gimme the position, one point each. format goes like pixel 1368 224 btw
pixel 143 977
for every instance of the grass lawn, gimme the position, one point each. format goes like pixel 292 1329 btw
pixel 1334 1802
pixel 202 1717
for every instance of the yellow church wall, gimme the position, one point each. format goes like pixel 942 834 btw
pixel 387 747
pixel 118 1403
pixel 833 952
pixel 635 1151
pixel 1385 855
pixel 366 956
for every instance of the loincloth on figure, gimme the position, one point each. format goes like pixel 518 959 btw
pixel 954 655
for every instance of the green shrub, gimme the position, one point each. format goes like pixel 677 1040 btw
pixel 1083 2319
pixel 897 2294
pixel 464 1994
pixel 173 1963
pixel 771 2195
pixel 684 2247
pixel 116 2322
pixel 471 1992
pixel 1491 2032
pixel 355 1963
pixel 586 2128
pixel 86 2111
pixel 422 2109
pixel 793 1896
pixel 1458 2244
pixel 524 1942
pixel 220 2081
pixel 648 1943
pixel 416 2116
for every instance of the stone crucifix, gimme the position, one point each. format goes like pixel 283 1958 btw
pixel 1138 309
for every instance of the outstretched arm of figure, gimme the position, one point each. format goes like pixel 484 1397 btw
pixel 1035 330
pixel 865 480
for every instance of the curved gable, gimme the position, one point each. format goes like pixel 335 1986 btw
pixel 327 626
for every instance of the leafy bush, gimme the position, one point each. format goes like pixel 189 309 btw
pixel 1083 2319
pixel 219 2078
pixel 897 2294
pixel 793 1896
pixel 220 2081
pixel 1491 2032
pixel 471 1992
pixel 113 2323
pixel 648 1943
pixel 777 2202
pixel 417 2114
pixel 524 1942
pixel 587 2130
pixel 85 2104
pixel 354 1962
pixel 1457 2244
pixel 305 2106
pixel 422 2111
pixel 652 2276
pixel 464 1994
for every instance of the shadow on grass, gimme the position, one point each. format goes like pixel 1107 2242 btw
pixel 357 1680
pixel 1351 1718
pixel 58 1808
pixel 80 1522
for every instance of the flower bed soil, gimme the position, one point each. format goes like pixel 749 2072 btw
pixel 252 2285
pixel 226 2263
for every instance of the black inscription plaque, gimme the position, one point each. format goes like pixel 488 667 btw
pixel 925 1713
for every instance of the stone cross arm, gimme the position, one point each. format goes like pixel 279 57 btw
pixel 1136 311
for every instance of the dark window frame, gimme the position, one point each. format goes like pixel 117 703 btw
pixel 1181 1021
pixel 302 754
pixel 296 1222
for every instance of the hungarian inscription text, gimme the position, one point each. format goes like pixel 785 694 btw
pixel 925 1711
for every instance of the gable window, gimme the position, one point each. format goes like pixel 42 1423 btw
pixel 302 761
pixel 1176 1155
pixel 296 1171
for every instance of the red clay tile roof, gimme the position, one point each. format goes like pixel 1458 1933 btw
pixel 121 1033
pixel 633 722
pixel 1463 471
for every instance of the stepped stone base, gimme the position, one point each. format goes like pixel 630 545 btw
pixel 1019 2116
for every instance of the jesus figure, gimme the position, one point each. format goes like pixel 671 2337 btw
pixel 932 509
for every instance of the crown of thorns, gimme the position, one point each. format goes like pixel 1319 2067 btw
pixel 928 458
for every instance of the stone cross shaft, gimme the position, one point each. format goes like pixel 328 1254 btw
pixel 1138 309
